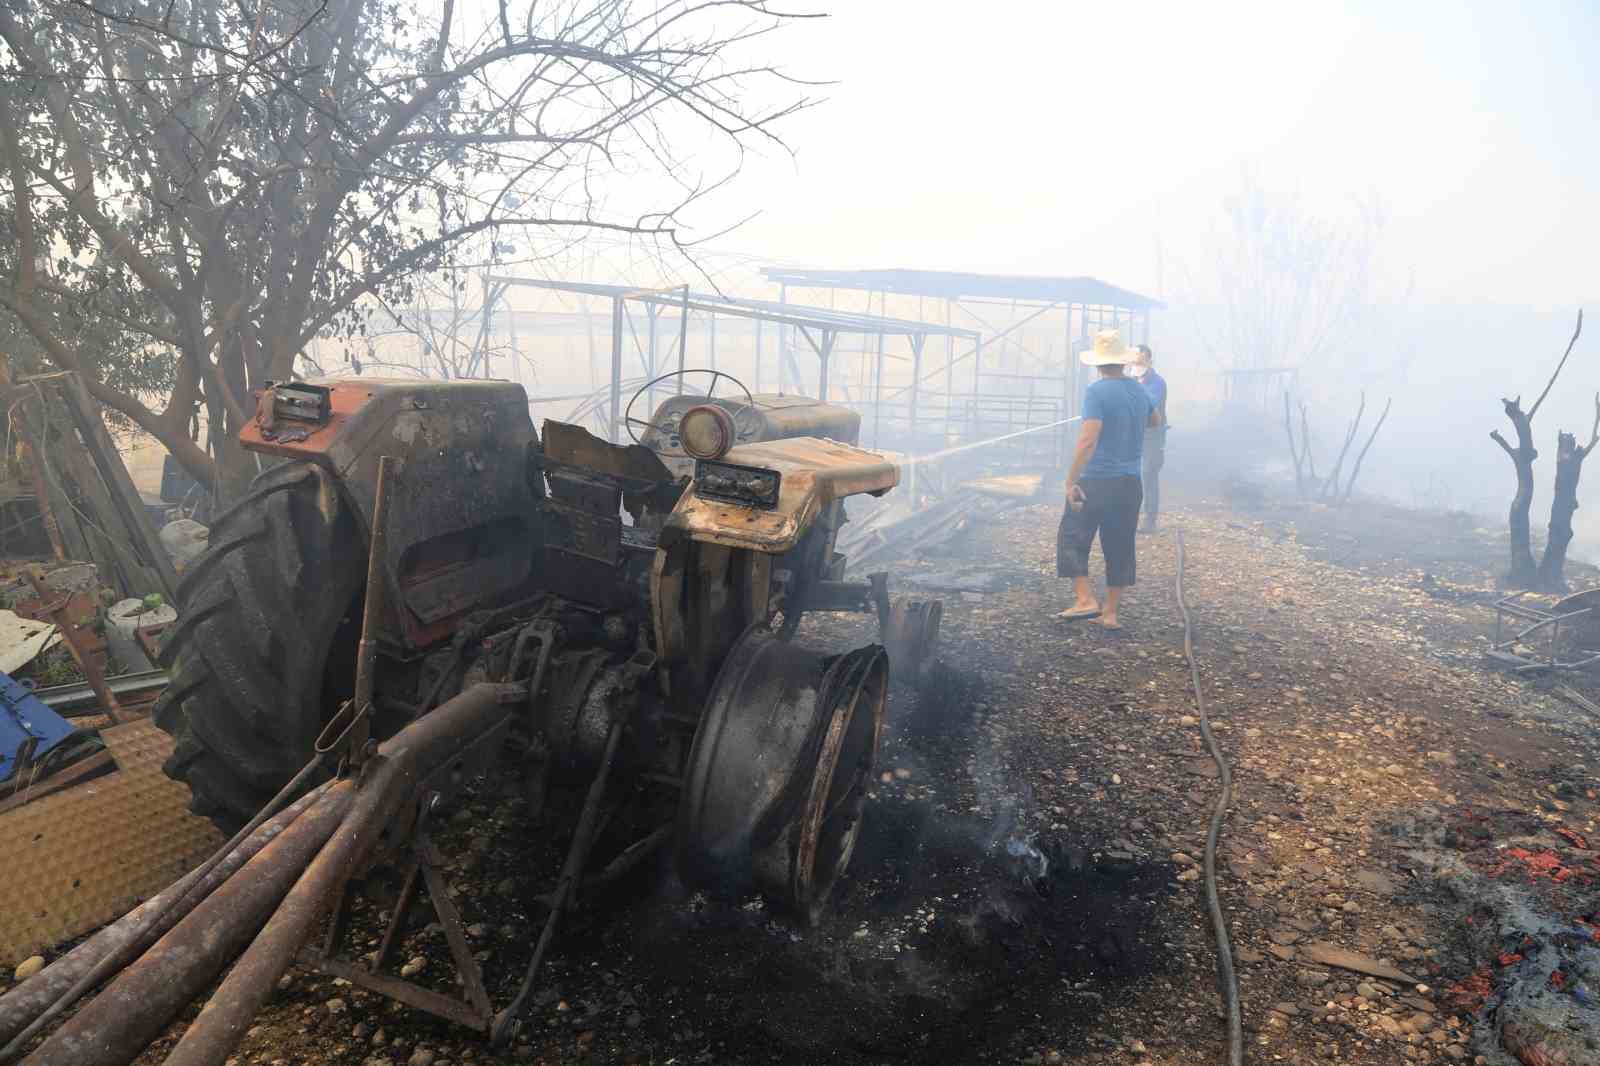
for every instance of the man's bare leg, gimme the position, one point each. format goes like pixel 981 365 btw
pixel 1108 617
pixel 1083 594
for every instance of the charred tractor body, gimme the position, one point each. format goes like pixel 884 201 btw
pixel 629 607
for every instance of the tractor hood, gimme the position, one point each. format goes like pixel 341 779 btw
pixel 812 473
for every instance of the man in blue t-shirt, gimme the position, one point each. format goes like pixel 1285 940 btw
pixel 1103 487
pixel 1155 438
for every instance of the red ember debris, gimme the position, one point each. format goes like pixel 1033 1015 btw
pixel 1469 993
pixel 1539 864
pixel 1577 840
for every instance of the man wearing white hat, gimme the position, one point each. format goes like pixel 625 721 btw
pixel 1104 491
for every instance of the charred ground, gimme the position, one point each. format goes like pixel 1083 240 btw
pixel 1386 781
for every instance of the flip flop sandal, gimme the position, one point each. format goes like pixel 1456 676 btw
pixel 1079 615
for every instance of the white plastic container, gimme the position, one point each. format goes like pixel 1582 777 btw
pixel 124 620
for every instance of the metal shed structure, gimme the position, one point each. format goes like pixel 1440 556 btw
pixel 1013 383
pixel 820 329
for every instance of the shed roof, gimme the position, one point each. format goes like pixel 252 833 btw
pixel 956 285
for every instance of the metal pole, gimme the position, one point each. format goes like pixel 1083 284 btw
pixel 783 337
pixel 617 312
pixel 712 346
pixel 401 761
pixel 120 1022
pixel 650 373
pixel 877 394
pixel 758 355
pixel 977 378
pixel 683 337
pixel 822 375
pixel 373 614
pixel 949 372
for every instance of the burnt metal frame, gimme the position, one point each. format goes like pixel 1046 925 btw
pixel 820 327
pixel 1087 303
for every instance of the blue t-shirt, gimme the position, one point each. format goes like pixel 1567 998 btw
pixel 1156 387
pixel 1123 408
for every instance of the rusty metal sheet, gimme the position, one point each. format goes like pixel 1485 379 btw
pixel 76 860
pixel 815 473
pixel 576 446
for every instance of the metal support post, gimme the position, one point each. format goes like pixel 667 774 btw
pixel 683 337
pixel 617 312
pixel 823 352
pixel 877 395
pixel 758 355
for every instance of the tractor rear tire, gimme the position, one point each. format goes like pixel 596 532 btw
pixel 265 612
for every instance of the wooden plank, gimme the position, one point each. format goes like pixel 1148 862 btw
pixel 124 496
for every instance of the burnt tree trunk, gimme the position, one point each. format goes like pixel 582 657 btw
pixel 1523 573
pixel 1569 466
pixel 1330 490
pixel 1564 504
pixel 1294 450
pixel 1355 472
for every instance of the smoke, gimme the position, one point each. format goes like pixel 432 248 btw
pixel 1035 867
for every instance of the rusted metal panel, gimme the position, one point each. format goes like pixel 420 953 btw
pixel 576 446
pixel 462 522
pixel 116 1025
pixel 814 473
pixel 78 859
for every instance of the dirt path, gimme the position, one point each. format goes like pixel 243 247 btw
pixel 1026 890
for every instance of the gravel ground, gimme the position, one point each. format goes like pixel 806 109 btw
pixel 1027 890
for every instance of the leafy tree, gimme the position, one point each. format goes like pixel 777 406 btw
pixel 192 190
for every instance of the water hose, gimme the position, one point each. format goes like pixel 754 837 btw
pixel 1226 977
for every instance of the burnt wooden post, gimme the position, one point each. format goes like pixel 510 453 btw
pixel 124 497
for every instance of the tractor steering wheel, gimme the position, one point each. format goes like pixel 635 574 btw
pixel 741 429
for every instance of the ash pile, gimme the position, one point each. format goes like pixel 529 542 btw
pixel 1521 890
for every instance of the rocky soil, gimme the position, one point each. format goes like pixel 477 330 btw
pixel 1027 890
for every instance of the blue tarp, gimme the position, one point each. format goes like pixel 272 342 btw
pixel 24 715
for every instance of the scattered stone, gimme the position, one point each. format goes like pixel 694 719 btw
pixel 421 1057
pixel 336 1006
pixel 1333 955
pixel 415 966
pixel 28 967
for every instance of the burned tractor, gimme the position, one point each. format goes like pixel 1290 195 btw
pixel 424 584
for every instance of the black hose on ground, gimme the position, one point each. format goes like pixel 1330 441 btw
pixel 1226 976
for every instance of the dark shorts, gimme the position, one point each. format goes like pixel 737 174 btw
pixel 1112 511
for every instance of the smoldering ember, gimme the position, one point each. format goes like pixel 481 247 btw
pixel 712 531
